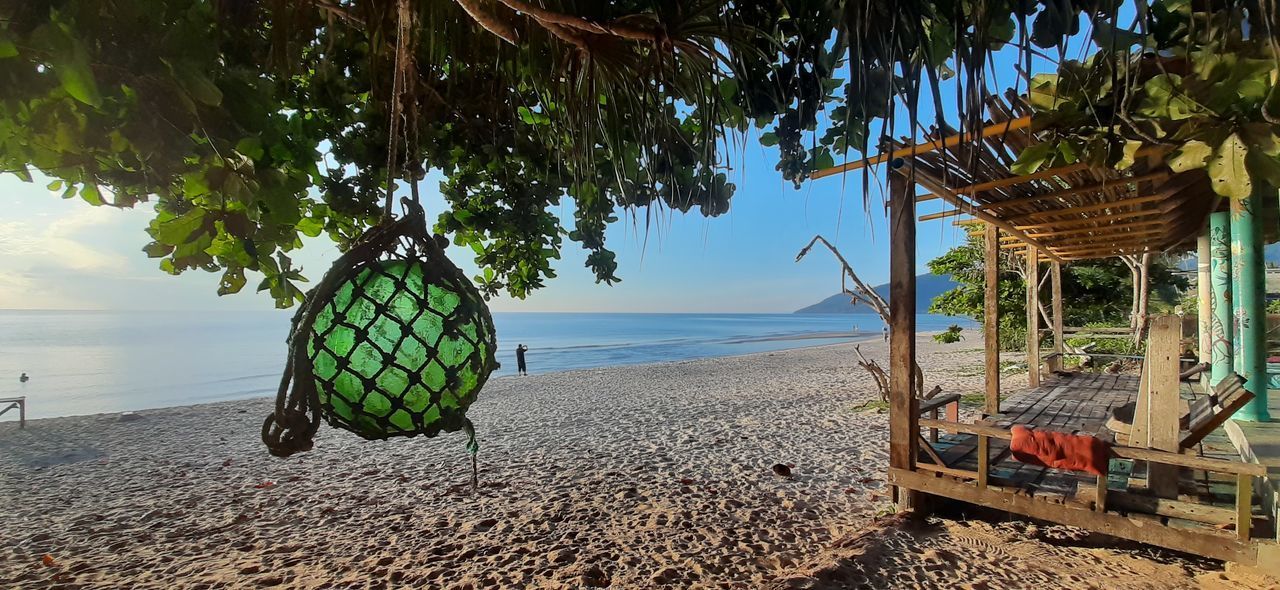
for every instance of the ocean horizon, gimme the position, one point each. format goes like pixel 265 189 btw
pixel 89 362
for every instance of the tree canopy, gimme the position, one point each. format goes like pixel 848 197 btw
pixel 253 123
pixel 1093 291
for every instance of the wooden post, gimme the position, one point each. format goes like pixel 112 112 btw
pixel 991 316
pixel 1204 304
pixel 1055 278
pixel 1244 505
pixel 904 419
pixel 984 456
pixel 1033 317
pixel 1163 408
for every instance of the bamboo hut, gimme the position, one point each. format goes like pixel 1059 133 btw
pixel 1186 465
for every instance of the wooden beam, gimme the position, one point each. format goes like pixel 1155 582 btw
pixel 904 415
pixel 913 150
pixel 1189 461
pixel 1148 242
pixel 1043 174
pixel 1090 220
pixel 1192 511
pixel 1067 192
pixel 1075 210
pixel 943 214
pixel 1055 286
pixel 991 317
pixel 950 197
pixel 1122 452
pixel 1208 544
pixel 1033 318
pixel 1104 238
pixel 1164 348
pixel 1103 229
pixel 974 189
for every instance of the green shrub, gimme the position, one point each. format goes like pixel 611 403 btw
pixel 952 335
pixel 1122 346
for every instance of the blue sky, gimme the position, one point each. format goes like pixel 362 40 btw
pixel 57 254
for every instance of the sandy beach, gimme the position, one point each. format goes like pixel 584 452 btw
pixel 653 476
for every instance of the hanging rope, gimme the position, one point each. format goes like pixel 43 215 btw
pixel 398 80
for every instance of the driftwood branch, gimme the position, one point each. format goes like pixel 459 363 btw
pixel 877 373
pixel 864 293
pixel 861 291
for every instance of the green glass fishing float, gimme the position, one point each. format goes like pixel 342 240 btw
pixel 400 349
pixel 394 341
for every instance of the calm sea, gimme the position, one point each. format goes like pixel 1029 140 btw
pixel 87 362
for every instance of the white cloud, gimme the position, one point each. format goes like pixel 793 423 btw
pixel 59 243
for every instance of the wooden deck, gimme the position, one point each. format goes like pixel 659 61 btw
pixel 1080 403
pixel 1201 519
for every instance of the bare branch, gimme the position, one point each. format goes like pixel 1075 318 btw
pixel 339 12
pixel 868 295
pixel 616 29
pixel 503 28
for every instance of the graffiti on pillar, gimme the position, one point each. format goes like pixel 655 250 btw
pixel 1220 280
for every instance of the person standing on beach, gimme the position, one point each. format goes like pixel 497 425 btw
pixel 520 366
pixel 885 330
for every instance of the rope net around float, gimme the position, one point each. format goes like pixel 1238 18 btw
pixel 394 341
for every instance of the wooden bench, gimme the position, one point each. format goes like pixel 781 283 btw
pixel 16 402
pixel 1204 415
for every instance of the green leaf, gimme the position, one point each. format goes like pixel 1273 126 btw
pixel 823 160
pixel 7 48
pixel 251 147
pixel 157 250
pixel 311 226
pixel 1227 169
pixel 232 281
pixel 1114 39
pixel 1190 156
pixel 1163 96
pixel 1033 157
pixel 55 186
pixel 91 195
pixel 199 86
pixel 769 139
pixel 70 63
pixel 179 229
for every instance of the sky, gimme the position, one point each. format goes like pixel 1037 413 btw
pixel 66 254
pixel 57 254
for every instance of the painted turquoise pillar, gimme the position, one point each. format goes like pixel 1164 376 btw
pixel 1250 302
pixel 1220 326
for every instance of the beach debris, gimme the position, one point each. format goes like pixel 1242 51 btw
pixel 594 577
pixel 782 470
pixel 264 485
pixel 48 561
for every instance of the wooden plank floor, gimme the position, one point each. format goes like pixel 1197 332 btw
pixel 1079 403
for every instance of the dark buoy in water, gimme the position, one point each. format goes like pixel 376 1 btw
pixel 24 378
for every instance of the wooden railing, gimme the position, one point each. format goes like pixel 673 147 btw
pixel 1244 472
